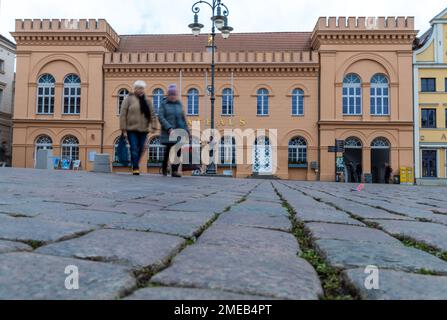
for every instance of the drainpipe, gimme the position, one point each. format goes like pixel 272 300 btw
pixel 319 119
pixel 103 103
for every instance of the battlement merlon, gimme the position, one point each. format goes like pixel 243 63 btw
pixel 71 26
pixel 365 23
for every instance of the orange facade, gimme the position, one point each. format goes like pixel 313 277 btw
pixel 350 79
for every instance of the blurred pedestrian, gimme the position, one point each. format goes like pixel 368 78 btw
pixel 137 119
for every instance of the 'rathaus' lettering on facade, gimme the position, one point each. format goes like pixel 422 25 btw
pixel 349 79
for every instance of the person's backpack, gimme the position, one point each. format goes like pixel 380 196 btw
pixel 122 151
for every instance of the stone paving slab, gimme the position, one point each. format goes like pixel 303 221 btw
pixel 41 277
pixel 328 216
pixel 185 294
pixel 396 285
pixel 327 231
pixel 33 229
pixel 432 234
pixel 263 240
pixel 10 246
pixel 97 218
pixel 260 220
pixel 242 271
pixel 173 223
pixel 35 208
pixel 135 249
pixel 353 254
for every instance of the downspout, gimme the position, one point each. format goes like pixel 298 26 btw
pixel 103 104
pixel 319 117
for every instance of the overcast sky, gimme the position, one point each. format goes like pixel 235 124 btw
pixel 173 16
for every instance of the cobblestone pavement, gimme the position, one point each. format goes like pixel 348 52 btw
pixel 156 238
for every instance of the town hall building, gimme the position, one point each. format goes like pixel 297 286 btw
pixel 350 79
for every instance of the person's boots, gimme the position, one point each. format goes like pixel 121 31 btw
pixel 176 175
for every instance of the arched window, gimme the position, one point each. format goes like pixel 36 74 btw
pixel 43 142
pixel 227 102
pixel 70 148
pixel 72 94
pixel 380 95
pixel 352 95
pixel 45 94
pixel 298 151
pixel 298 102
pixel 193 102
pixel 381 143
pixel 263 102
pixel 227 149
pixel 156 151
pixel 115 158
pixel 353 143
pixel 122 94
pixel 157 98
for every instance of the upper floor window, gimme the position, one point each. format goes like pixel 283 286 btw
pixel 380 95
pixel 156 151
pixel 122 94
pixel 45 94
pixel 2 66
pixel 157 98
pixel 298 151
pixel 428 118
pixel 446 118
pixel 298 102
pixel 227 102
pixel 228 150
pixel 428 85
pixel 193 102
pixel 70 148
pixel 1 98
pixel 445 84
pixel 352 95
pixel 72 94
pixel 263 102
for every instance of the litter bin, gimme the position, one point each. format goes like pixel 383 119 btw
pixel 403 175
pixel 396 179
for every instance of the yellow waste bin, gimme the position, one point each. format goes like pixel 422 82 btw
pixel 403 175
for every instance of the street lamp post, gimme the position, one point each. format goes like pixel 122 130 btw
pixel 219 20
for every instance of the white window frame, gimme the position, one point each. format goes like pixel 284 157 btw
pixel 298 98
pixel 227 149
pixel 194 99
pixel 300 148
pixel 156 151
pixel 227 102
pixel 75 107
pixel 375 86
pixel 157 97
pixel 122 94
pixel 70 147
pixel 348 85
pixel 48 95
pixel 42 145
pixel 264 95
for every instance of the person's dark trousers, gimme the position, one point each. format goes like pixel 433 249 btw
pixel 175 167
pixel 137 141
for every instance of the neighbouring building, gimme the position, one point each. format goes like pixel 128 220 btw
pixel 7 61
pixel 430 107
pixel 349 79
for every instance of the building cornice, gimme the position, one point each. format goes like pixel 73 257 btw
pixel 366 123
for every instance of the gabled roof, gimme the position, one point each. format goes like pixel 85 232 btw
pixel 441 17
pixel 270 41
pixel 7 42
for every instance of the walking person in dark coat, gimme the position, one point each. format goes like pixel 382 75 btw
pixel 3 154
pixel 137 119
pixel 172 117
pixel 388 173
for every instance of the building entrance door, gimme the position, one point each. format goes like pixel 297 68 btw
pixel 262 157
pixel 353 158
pixel 380 158
pixel 429 163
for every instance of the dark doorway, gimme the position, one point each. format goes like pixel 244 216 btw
pixel 380 158
pixel 353 157
pixel 429 163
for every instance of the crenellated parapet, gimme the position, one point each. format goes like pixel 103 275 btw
pixel 368 30
pixel 67 31
pixel 295 61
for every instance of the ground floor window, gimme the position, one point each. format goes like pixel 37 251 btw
pixel 429 163
pixel 70 148
pixel 228 151
pixel 156 151
pixel 298 151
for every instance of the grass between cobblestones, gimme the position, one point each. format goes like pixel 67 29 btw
pixel 330 277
